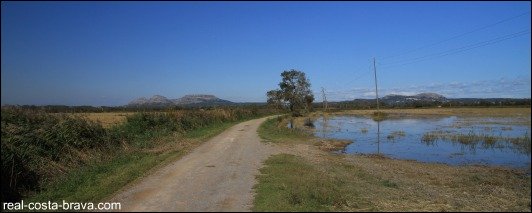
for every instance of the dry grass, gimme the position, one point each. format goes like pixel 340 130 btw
pixel 439 187
pixel 378 183
pixel 106 119
pixel 332 145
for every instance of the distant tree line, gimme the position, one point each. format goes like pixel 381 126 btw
pixel 86 109
pixel 355 104
pixel 462 102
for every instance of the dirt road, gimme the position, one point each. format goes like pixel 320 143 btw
pixel 217 176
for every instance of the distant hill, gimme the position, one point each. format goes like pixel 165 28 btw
pixel 200 100
pixel 422 98
pixel 158 101
pixel 426 100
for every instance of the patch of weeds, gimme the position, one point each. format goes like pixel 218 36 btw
pixel 506 128
pixel 395 134
pixel 389 183
pixel 379 116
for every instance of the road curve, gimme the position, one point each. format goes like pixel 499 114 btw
pixel 216 176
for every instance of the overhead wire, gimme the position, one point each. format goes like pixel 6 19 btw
pixel 456 36
pixel 436 55
pixel 457 50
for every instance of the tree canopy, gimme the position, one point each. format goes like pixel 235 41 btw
pixel 294 93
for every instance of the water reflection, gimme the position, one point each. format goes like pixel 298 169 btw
pixel 378 137
pixel 509 152
pixel 325 125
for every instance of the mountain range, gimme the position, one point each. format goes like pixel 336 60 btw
pixel 394 99
pixel 429 99
pixel 158 101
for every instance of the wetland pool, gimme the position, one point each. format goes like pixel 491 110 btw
pixel 450 140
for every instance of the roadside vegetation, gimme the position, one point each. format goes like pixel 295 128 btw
pixel 306 178
pixel 49 156
pixel 275 130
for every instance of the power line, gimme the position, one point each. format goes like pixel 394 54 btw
pixel 457 50
pixel 436 55
pixel 360 73
pixel 432 56
pixel 456 36
pixel 358 77
pixel 345 92
pixel 505 37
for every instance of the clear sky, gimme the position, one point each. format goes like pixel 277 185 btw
pixel 108 53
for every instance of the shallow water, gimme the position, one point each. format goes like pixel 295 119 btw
pixel 373 137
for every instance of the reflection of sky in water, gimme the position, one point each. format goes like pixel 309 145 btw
pixel 410 146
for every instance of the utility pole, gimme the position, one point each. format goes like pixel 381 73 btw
pixel 324 99
pixel 376 92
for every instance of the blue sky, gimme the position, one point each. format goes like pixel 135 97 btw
pixel 108 53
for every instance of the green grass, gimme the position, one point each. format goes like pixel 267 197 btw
pixel 289 183
pixel 95 182
pixel 294 183
pixel 211 130
pixel 388 183
pixel 275 130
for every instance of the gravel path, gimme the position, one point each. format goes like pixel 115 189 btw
pixel 217 176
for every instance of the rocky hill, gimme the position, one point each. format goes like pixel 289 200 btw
pixel 200 100
pixel 158 101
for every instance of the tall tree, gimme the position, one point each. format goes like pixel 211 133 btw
pixel 275 99
pixel 294 91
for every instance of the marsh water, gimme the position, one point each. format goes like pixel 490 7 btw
pixel 403 138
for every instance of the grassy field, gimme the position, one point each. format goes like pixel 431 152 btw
pixel 107 119
pixel 308 179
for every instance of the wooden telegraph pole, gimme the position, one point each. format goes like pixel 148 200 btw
pixel 376 91
pixel 324 99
